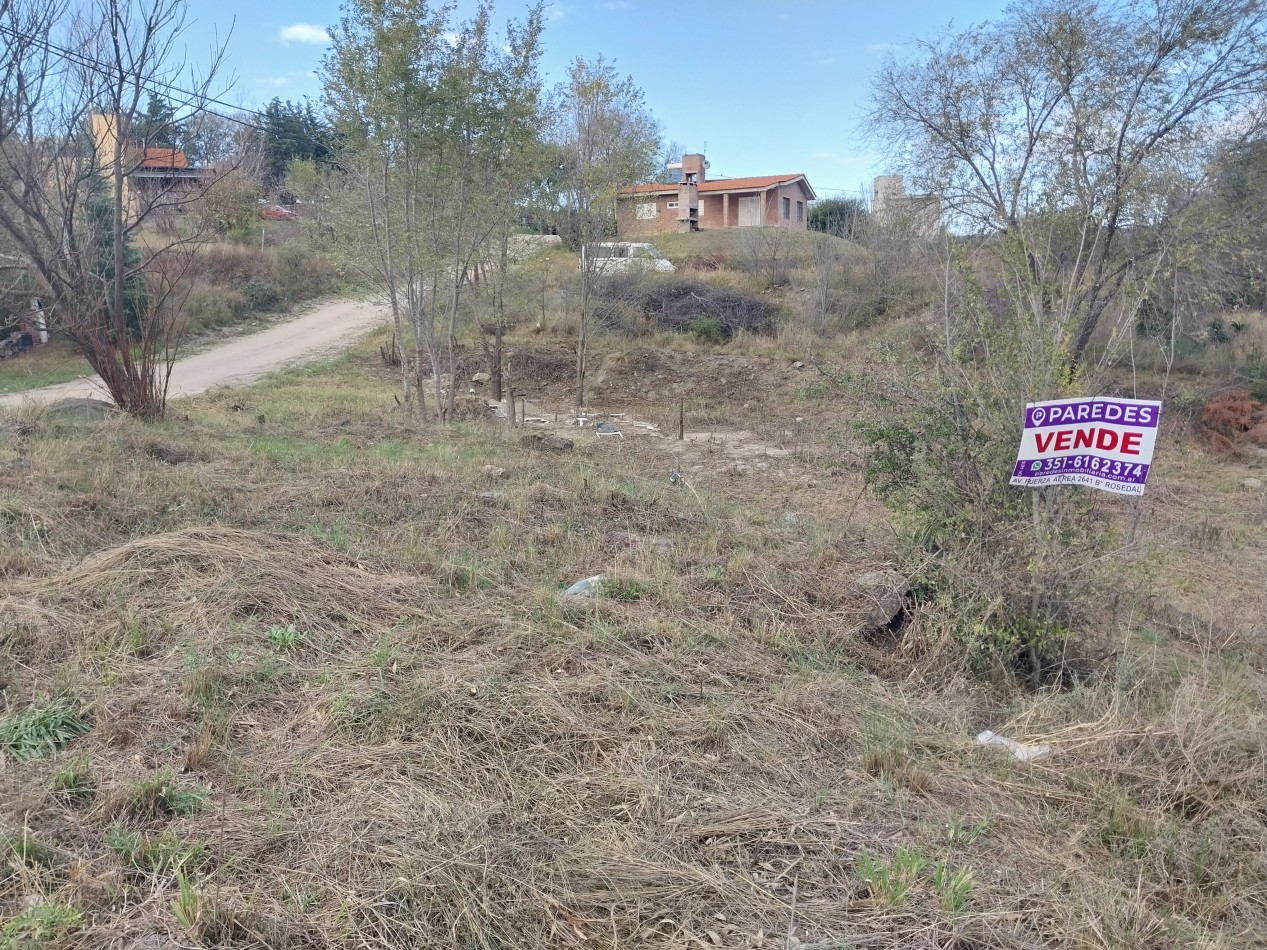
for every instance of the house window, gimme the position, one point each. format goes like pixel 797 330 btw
pixel 671 205
pixel 800 211
pixel 646 211
pixel 787 208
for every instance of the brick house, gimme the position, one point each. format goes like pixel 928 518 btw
pixel 694 202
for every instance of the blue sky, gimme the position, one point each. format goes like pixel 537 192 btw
pixel 761 87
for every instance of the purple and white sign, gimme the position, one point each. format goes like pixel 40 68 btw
pixel 1098 442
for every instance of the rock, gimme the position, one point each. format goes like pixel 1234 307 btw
pixel 78 410
pixel 663 545
pixel 886 590
pixel 480 377
pixel 1253 483
pixel 492 495
pixel 492 471
pixel 798 365
pixel 545 440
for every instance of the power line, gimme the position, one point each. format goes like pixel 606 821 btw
pixel 104 69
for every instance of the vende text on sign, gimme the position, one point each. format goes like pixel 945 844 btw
pixel 1099 442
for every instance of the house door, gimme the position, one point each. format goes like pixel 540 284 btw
pixel 750 212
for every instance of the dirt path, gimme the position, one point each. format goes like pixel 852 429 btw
pixel 242 360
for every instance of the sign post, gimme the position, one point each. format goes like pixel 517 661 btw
pixel 1100 442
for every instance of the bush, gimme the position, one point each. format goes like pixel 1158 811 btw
pixel 298 273
pixel 261 295
pixel 679 304
pixel 708 330
pixel 212 308
pixel 1010 573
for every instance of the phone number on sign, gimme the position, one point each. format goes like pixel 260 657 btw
pixel 1110 468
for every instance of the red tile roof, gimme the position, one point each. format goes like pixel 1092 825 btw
pixel 755 183
pixel 164 158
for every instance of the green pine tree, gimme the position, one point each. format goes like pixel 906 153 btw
pixel 100 215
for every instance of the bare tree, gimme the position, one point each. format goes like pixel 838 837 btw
pixel 1055 125
pixel 75 191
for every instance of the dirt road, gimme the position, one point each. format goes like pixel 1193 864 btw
pixel 244 359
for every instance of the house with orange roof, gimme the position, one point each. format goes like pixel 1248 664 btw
pixel 153 177
pixel 696 202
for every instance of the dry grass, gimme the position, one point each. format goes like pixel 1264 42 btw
pixel 444 753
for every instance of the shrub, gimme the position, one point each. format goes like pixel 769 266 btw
pixel 261 295
pixel 678 304
pixel 298 273
pixel 211 308
pixel 708 330
pixel 1228 418
pixel 1216 332
pixel 1010 572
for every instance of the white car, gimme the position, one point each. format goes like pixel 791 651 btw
pixel 621 257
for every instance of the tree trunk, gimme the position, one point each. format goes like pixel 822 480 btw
pixel 496 371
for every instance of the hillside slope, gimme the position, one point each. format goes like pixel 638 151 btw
pixel 301 675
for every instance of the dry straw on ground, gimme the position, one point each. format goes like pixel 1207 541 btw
pixel 331 684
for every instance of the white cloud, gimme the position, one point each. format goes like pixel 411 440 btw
pixel 273 81
pixel 452 39
pixel 305 33
pixel 556 12
pixel 880 47
pixel 613 4
pixel 824 156
pixel 826 60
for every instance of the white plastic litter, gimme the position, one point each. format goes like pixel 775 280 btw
pixel 1022 751
pixel 587 587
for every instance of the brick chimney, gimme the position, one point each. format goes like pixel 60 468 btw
pixel 693 170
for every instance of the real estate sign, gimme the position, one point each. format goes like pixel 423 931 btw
pixel 1099 442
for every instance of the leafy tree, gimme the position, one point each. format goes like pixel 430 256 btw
pixel 99 217
pixel 1062 123
pixel 1238 208
pixel 292 130
pixel 438 124
pixel 608 140
pixel 214 139
pixel 156 126
pixel 842 217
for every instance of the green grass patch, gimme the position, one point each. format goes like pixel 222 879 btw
pixel 42 366
pixel 154 854
pixel 162 796
pixel 39 926
pixel 42 729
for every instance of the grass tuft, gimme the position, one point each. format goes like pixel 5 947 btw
pixel 42 729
